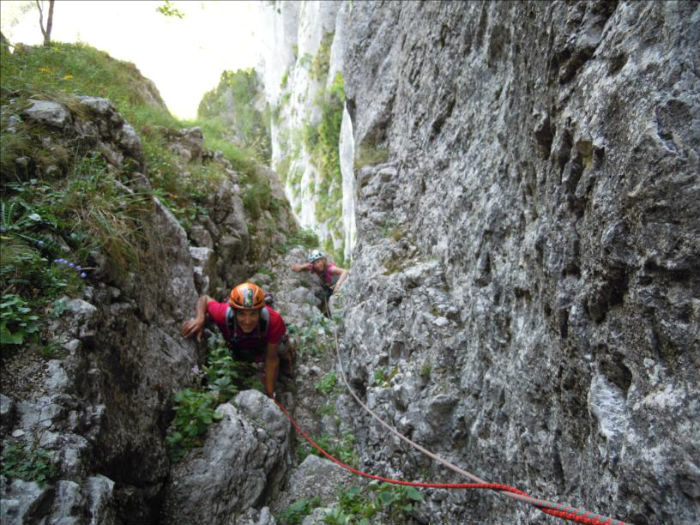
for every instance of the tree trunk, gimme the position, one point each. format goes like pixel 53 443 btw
pixel 49 21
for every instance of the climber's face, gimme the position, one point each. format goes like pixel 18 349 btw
pixel 319 265
pixel 247 319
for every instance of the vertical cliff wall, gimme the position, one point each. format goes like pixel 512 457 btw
pixel 304 88
pixel 528 257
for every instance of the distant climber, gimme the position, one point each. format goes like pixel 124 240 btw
pixel 332 276
pixel 253 330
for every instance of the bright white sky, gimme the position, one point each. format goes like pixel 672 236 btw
pixel 184 57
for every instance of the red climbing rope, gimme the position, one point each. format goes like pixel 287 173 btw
pixel 553 509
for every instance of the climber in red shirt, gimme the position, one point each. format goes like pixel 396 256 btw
pixel 253 331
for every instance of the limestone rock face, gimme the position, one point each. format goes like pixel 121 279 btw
pixel 315 476
pixel 527 263
pixel 100 409
pixel 243 456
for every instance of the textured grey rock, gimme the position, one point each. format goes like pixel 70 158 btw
pixel 98 412
pixel 203 260
pixel 314 477
pixel 243 456
pixel 7 412
pixel 48 112
pixel 256 517
pixel 532 248
pixel 22 501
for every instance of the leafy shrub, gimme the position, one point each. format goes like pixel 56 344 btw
pixel 359 505
pixel 28 464
pixel 225 376
pixel 194 412
pixel 297 511
pixel 195 407
pixel 17 323
pixel 340 447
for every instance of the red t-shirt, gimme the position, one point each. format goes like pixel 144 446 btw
pixel 255 342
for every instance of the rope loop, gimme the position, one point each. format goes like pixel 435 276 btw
pixel 553 509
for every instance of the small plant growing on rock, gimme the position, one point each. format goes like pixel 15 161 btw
pixel 340 447
pixel 425 370
pixel 297 511
pixel 360 505
pixel 195 407
pixel 327 410
pixel 327 383
pixel 194 412
pixel 380 376
pixel 18 323
pixel 27 463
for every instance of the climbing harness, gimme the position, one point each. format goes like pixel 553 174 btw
pixel 553 509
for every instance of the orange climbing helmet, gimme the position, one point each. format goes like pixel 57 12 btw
pixel 247 296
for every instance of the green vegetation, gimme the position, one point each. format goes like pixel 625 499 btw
pixel 266 271
pixel 233 102
pixel 388 227
pixel 358 506
pixel 297 511
pixel 340 447
pixel 326 410
pixel 303 237
pixel 379 376
pixel 257 196
pixel 61 202
pixel 369 155
pixel 327 383
pixel 305 61
pixel 320 139
pixel 167 9
pixel 194 412
pixel 195 407
pixel 315 338
pixel 27 463
pixel 76 69
pixel 17 322
pixel 322 143
pixel 45 221
pixel 64 207
pixel 382 378
pixel 425 370
pixel 321 62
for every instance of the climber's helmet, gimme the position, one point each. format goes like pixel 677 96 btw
pixel 247 296
pixel 315 256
